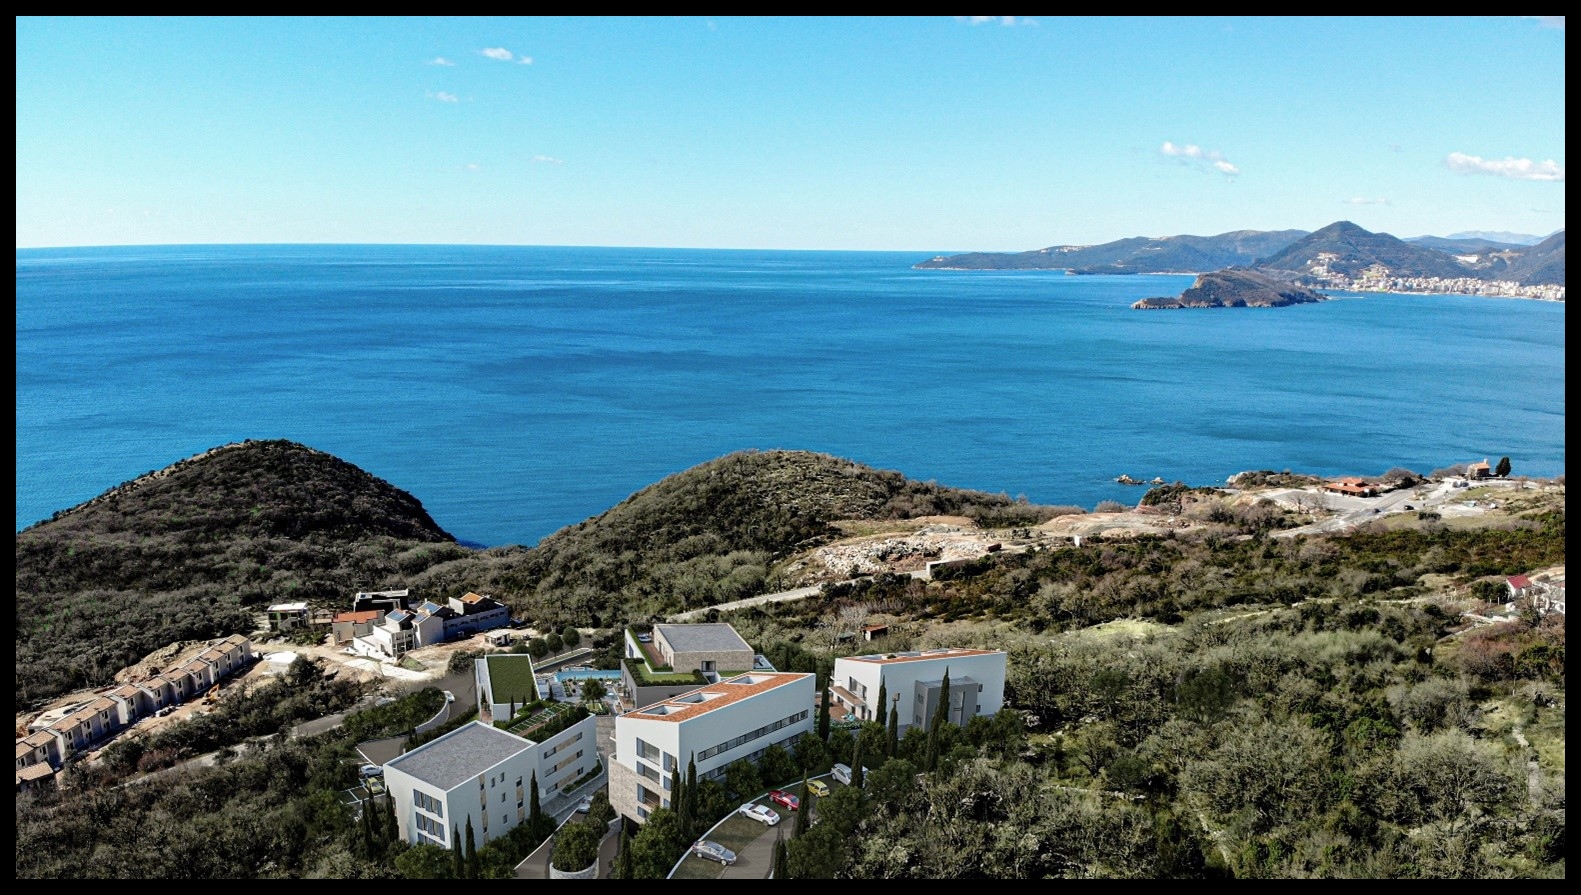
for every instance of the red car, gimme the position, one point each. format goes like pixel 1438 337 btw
pixel 785 800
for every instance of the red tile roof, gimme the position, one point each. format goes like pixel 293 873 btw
pixel 1520 582
pixel 721 694
pixel 358 617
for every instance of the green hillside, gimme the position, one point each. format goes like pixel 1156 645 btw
pixel 196 549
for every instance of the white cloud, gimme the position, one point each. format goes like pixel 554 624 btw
pixel 474 166
pixel 547 160
pixel 1511 167
pixel 444 97
pixel 440 60
pixel 1550 21
pixel 525 60
pixel 1007 21
pixel 1363 200
pixel 1204 159
pixel 499 53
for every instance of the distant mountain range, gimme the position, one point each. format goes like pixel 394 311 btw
pixel 1341 255
pixel 1140 254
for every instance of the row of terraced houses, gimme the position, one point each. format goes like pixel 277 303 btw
pixel 55 736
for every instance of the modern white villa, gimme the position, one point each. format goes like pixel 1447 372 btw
pixel 482 774
pixel 401 629
pixel 714 725
pixel 912 681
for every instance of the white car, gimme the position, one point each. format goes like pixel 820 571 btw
pixel 586 805
pixel 763 814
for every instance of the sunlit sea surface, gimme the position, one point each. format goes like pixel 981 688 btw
pixel 515 390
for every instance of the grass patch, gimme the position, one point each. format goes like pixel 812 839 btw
pixel 1135 628
pixel 411 664
pixel 1547 736
pixel 737 832
pixel 511 677
pixel 694 867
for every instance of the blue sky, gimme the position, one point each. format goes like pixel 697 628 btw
pixel 920 134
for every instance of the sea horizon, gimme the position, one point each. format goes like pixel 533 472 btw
pixel 518 389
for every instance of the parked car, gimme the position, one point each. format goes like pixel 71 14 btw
pixel 709 850
pixel 370 770
pixel 763 814
pixel 785 800
pixel 644 638
pixel 586 805
pixel 818 788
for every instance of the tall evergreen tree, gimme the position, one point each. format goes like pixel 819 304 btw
pixel 474 868
pixel 392 824
pixel 804 816
pixel 681 802
pixel 857 777
pixel 940 716
pixel 691 797
pixel 883 700
pixel 823 716
pixel 894 728
pixel 457 855
pixel 781 862
pixel 535 812
pixel 367 827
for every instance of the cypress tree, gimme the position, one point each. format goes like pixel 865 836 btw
pixel 473 868
pixel 940 715
pixel 781 861
pixel 681 802
pixel 535 815
pixel 883 698
pixel 456 854
pixel 367 827
pixel 823 716
pixel 857 777
pixel 804 816
pixel 894 727
pixel 392 825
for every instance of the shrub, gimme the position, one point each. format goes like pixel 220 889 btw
pixel 576 846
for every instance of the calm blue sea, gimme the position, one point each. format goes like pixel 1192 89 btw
pixel 516 390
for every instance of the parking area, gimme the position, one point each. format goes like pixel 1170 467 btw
pixel 751 840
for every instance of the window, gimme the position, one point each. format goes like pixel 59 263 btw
pixel 428 803
pixel 648 751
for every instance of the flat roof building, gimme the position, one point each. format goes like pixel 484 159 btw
pixel 714 726
pixel 912 680
pixel 482 774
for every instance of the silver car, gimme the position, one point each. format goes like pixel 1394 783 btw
pixel 709 850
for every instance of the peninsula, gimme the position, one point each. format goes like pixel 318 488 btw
pixel 1236 287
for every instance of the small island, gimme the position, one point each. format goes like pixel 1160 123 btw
pixel 1235 287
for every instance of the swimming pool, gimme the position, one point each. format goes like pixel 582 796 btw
pixel 583 674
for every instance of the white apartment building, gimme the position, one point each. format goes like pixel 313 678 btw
pixel 714 725
pixel 483 774
pixel 912 681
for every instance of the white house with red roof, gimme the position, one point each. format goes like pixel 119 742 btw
pixel 713 725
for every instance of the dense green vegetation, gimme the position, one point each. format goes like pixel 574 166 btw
pixel 1219 703
pixel 195 550
pixel 707 535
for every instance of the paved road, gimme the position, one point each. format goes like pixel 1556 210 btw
pixel 563 808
